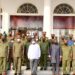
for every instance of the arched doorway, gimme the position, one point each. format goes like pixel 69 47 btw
pixel 27 8
pixel 63 23
pixel 32 23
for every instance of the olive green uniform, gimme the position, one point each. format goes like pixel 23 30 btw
pixel 44 46
pixel 66 50
pixel 3 56
pixel 73 58
pixel 61 42
pixel 25 54
pixel 17 54
pixel 10 56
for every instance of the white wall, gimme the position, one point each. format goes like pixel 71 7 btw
pixel 11 6
pixel 57 2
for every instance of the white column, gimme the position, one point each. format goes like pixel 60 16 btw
pixel 47 22
pixel 74 33
pixel 5 22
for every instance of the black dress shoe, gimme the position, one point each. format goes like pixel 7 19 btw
pixel 41 68
pixel 45 68
pixel 20 74
pixel 15 73
pixel 68 74
pixel 33 74
pixel 27 68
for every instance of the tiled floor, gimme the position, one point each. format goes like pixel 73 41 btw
pixel 28 72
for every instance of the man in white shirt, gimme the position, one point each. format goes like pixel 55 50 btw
pixel 34 54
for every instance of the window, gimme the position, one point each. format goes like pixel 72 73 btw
pixel 27 8
pixel 63 9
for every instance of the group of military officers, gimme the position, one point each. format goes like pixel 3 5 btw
pixel 14 50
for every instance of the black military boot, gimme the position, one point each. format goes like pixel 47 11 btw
pixel 45 68
pixel 20 74
pixel 41 68
pixel 15 73
pixel 68 74
pixel 64 74
pixel 27 68
pixel 31 74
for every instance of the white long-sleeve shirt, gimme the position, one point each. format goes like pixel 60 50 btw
pixel 34 51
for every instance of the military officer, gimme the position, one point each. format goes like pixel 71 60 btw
pixel 3 55
pixel 24 39
pixel 0 35
pixel 73 58
pixel 9 37
pixel 70 40
pixel 4 34
pixel 17 54
pixel 66 50
pixel 10 56
pixel 70 43
pixel 26 51
pixel 44 46
pixel 61 40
